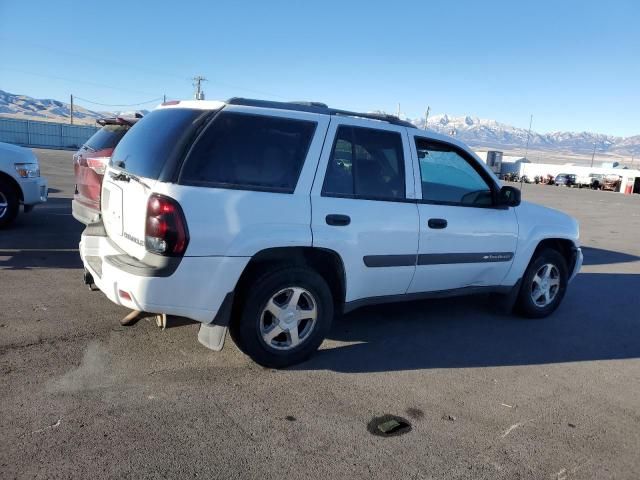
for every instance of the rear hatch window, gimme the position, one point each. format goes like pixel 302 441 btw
pixel 152 149
pixel 107 137
pixel 156 138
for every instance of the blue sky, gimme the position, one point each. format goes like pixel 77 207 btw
pixel 574 65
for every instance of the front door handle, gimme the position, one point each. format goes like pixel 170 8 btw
pixel 437 223
pixel 338 220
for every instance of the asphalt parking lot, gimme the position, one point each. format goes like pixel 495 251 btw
pixel 488 395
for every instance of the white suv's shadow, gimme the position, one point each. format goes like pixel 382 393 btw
pixel 598 320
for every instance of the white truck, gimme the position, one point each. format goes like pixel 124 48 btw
pixel 20 182
pixel 591 180
pixel 269 218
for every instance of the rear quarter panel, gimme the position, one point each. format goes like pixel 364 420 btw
pixel 88 182
pixel 226 222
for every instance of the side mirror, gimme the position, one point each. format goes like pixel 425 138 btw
pixel 509 196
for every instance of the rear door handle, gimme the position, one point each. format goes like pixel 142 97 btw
pixel 437 223
pixel 338 220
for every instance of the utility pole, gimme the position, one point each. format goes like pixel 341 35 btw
pixel 426 117
pixel 594 153
pixel 526 152
pixel 164 98
pixel 197 83
pixel 71 109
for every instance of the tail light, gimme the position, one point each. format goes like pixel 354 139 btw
pixel 166 229
pixel 98 164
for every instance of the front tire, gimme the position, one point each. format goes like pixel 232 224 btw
pixel 9 203
pixel 544 284
pixel 285 317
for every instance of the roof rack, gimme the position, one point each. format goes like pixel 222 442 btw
pixel 119 120
pixel 317 107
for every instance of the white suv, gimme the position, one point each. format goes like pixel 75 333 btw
pixel 268 218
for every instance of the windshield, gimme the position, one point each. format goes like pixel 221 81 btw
pixel 151 141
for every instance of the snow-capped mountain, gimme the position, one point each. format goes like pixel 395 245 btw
pixel 480 132
pixel 477 132
pixel 47 110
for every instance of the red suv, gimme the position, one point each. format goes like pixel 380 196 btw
pixel 90 163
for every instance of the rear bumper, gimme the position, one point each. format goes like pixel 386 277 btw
pixel 195 290
pixel 34 190
pixel 83 213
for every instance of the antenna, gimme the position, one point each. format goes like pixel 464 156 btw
pixel 198 94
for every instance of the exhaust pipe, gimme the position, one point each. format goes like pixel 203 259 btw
pixel 133 317
pixel 88 281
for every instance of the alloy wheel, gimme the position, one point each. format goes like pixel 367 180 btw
pixel 545 285
pixel 4 205
pixel 288 318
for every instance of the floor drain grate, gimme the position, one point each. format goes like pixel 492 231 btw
pixel 389 426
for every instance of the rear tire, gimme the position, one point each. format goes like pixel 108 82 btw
pixel 285 316
pixel 9 203
pixel 543 285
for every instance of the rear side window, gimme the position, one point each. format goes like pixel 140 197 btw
pixel 155 138
pixel 366 163
pixel 107 137
pixel 250 151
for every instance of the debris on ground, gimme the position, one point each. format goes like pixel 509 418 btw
pixel 55 425
pixel 514 426
pixel 388 426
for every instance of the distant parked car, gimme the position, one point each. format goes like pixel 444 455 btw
pixel 597 180
pixel 20 182
pixel 90 162
pixel 583 181
pixel 592 180
pixel 566 179
pixel 611 182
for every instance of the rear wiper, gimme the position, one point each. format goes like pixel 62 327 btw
pixel 126 177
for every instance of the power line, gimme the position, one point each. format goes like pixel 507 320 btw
pixel 129 67
pixel 118 105
pixel 71 80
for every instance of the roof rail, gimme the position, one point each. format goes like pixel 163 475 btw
pixel 313 107
pixel 317 107
pixel 383 117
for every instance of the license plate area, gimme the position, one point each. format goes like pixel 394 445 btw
pixel 112 208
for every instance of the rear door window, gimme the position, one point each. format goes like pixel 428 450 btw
pixel 366 163
pixel 253 152
pixel 154 139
